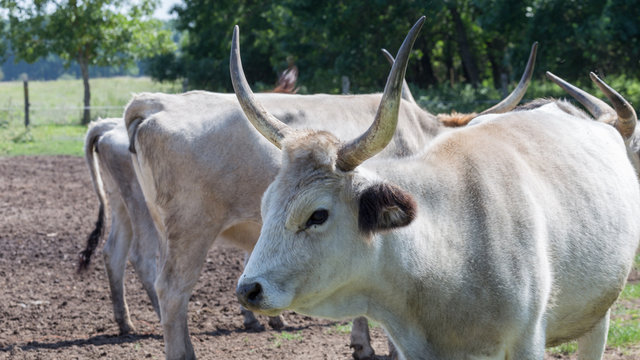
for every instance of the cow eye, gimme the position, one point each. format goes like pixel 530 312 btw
pixel 318 217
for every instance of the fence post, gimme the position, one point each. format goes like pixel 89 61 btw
pixel 26 101
pixel 345 84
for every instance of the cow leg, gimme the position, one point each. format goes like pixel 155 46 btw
pixel 115 258
pixel 360 339
pixel 393 352
pixel 143 257
pixel 183 261
pixel 592 344
pixel 531 345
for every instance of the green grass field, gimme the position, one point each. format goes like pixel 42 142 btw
pixel 60 102
pixel 56 110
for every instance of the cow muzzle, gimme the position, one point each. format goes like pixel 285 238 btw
pixel 250 294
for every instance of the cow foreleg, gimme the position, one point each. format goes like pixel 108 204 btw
pixel 361 340
pixel 393 352
pixel 115 258
pixel 592 344
pixel 178 276
pixel 250 322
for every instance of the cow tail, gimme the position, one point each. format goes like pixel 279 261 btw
pixel 93 135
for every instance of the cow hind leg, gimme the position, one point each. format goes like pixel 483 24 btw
pixel 361 340
pixel 143 258
pixel 592 344
pixel 115 258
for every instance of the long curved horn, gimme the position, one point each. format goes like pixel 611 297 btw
pixel 511 101
pixel 381 131
pixel 406 92
pixel 598 108
pixel 268 125
pixel 627 118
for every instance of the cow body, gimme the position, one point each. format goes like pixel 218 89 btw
pixel 132 234
pixel 198 186
pixel 497 240
pixel 523 236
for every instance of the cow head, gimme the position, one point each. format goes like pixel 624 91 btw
pixel 320 212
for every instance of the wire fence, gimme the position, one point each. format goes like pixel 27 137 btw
pixel 58 115
pixel 72 115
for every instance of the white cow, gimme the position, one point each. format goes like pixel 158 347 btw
pixel 497 240
pixel 132 234
pixel 197 189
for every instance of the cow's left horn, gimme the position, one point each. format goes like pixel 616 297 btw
pixel 381 131
pixel 511 101
pixel 627 118
pixel 268 125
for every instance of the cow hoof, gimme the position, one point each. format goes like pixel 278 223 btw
pixel 362 352
pixel 276 322
pixel 126 329
pixel 254 326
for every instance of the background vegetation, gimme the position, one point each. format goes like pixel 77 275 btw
pixel 56 110
pixel 477 42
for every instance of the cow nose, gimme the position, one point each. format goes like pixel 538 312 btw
pixel 249 294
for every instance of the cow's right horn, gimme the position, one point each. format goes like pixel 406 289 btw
pixel 623 118
pixel 406 92
pixel 511 101
pixel 268 125
pixel 627 118
pixel 380 133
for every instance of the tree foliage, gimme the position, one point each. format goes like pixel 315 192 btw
pixel 463 41
pixel 91 32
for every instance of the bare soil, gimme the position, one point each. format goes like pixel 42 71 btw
pixel 48 311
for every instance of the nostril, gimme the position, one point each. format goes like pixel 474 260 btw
pixel 250 293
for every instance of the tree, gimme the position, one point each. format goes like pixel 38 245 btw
pixel 3 40
pixel 90 32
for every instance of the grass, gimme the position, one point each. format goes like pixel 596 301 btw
pixel 343 328
pixel 284 336
pixel 42 140
pixel 56 110
pixel 61 101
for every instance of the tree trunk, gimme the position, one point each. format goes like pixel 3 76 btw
pixel 469 63
pixel 84 68
pixel 496 69
pixel 426 75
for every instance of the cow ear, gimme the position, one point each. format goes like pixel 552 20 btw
pixel 384 206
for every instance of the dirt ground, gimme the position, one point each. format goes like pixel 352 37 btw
pixel 48 311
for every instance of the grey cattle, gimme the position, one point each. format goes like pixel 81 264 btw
pixel 498 239
pixel 132 234
pixel 197 189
